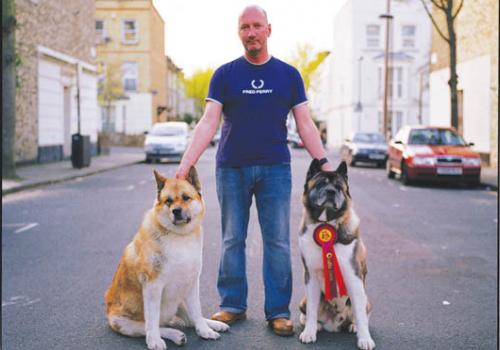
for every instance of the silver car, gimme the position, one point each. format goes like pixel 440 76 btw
pixel 167 141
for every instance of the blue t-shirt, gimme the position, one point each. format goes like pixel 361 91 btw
pixel 256 100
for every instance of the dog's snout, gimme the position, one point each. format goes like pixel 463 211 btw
pixel 330 192
pixel 177 212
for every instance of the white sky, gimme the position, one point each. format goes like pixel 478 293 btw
pixel 201 34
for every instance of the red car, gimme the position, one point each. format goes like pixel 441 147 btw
pixel 432 154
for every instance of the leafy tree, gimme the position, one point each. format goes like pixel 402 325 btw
pixel 110 88
pixel 8 88
pixel 308 63
pixel 197 88
pixel 450 11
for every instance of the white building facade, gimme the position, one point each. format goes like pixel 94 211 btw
pixel 355 86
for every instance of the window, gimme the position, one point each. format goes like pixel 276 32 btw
pixel 99 30
pixel 372 36
pixel 129 75
pixel 395 82
pixel 396 118
pixel 408 35
pixel 130 33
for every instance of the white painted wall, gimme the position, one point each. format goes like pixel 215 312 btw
pixel 138 113
pixel 51 83
pixel 474 80
pixel 350 43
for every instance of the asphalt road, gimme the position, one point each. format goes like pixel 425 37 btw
pixel 432 262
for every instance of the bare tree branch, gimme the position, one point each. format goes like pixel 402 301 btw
pixel 434 22
pixel 434 2
pixel 458 10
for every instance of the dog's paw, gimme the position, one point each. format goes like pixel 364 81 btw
pixel 207 333
pixel 366 343
pixel 307 337
pixel 175 335
pixel 218 326
pixel 154 342
pixel 352 328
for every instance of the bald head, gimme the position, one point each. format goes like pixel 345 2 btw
pixel 252 9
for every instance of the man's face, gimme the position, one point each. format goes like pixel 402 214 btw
pixel 254 31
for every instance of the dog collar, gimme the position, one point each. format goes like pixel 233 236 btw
pixel 325 236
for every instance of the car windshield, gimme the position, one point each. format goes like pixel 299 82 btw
pixel 368 138
pixel 167 130
pixel 435 137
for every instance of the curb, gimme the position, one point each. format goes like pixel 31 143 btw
pixel 27 186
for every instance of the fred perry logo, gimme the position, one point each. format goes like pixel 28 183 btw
pixel 255 86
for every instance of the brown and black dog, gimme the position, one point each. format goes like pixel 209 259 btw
pixel 326 199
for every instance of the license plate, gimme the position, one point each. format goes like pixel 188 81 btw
pixel 376 156
pixel 449 171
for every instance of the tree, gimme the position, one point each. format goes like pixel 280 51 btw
pixel 8 88
pixel 450 12
pixel 110 89
pixel 197 88
pixel 308 62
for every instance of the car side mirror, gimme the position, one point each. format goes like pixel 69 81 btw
pixel 146 132
pixel 398 142
pixel 471 143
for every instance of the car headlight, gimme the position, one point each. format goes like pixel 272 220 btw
pixel 473 162
pixel 424 161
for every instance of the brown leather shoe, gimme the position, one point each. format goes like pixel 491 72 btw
pixel 229 317
pixel 282 326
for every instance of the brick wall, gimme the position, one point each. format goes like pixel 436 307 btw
pixel 63 26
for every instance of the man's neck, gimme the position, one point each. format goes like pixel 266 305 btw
pixel 260 58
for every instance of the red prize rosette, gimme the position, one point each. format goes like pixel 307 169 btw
pixel 324 236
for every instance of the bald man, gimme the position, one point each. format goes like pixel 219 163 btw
pixel 255 93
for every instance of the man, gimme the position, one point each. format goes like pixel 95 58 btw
pixel 255 92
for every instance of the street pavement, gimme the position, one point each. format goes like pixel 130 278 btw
pixel 432 261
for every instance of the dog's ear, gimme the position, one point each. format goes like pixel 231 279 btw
pixel 314 168
pixel 342 169
pixel 193 179
pixel 160 180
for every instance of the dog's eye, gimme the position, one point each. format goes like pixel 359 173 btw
pixel 169 201
pixel 338 187
pixel 185 197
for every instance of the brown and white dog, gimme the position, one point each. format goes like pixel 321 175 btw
pixel 157 279
pixel 327 199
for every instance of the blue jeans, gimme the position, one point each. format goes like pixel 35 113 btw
pixel 271 186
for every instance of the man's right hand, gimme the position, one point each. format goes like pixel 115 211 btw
pixel 182 170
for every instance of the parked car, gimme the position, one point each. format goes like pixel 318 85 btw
pixel 294 139
pixel 367 147
pixel 432 153
pixel 167 140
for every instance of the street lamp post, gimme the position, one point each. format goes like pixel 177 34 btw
pixel 388 17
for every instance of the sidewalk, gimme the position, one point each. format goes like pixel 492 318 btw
pixel 44 174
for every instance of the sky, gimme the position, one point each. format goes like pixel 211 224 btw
pixel 201 34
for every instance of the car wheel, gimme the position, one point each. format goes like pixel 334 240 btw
pixel 148 160
pixel 390 173
pixel 473 184
pixel 404 175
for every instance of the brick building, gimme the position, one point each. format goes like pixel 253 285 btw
pixel 476 27
pixel 54 40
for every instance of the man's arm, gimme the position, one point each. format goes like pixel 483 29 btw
pixel 203 134
pixel 310 134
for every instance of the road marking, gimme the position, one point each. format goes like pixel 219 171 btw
pixel 20 300
pixel 24 226
pixel 130 188
pixel 143 182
